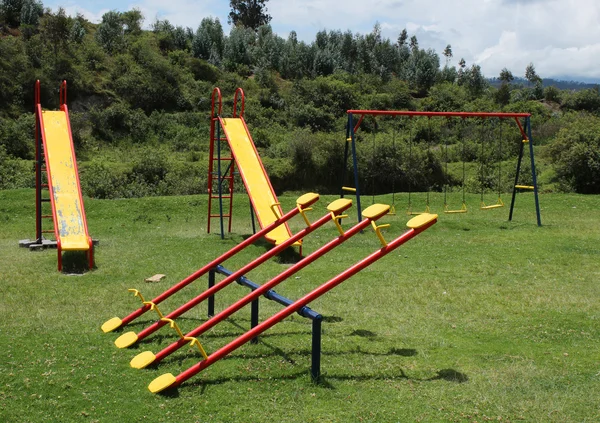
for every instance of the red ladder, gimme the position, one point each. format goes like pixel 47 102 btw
pixel 215 165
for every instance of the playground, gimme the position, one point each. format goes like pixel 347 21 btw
pixel 481 318
pixel 474 320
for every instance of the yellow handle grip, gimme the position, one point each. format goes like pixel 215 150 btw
pixel 336 219
pixel 378 232
pixel 173 325
pixel 303 214
pixel 137 293
pixel 155 308
pixel 194 341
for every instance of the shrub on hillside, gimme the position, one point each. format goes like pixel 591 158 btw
pixel 15 173
pixel 588 100
pixel 576 155
pixel 99 180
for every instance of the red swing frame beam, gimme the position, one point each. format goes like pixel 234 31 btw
pixel 167 380
pixel 463 115
pixel 359 227
pixel 131 338
pixel 115 322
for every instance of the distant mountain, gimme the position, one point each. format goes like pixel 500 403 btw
pixel 561 84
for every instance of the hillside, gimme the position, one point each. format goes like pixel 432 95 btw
pixel 140 102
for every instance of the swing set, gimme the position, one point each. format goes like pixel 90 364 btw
pixel 523 121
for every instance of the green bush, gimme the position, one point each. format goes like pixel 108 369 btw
pixel 588 100
pixel 18 136
pixel 576 155
pixel 15 173
pixel 99 180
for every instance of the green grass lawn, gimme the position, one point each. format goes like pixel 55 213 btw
pixel 477 319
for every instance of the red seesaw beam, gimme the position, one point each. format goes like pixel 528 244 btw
pixel 417 225
pixel 371 214
pixel 302 204
pixel 335 208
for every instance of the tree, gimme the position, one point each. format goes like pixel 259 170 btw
pixel 402 38
pixel 503 93
pixel 237 54
pixel 56 30
pixel 77 32
pixel 132 20
pixel 423 70
pixel 530 75
pixel 506 76
pixel 448 53
pixel 209 39
pixel 31 11
pixel 249 13
pixel 473 80
pixel 414 43
pixel 110 32
pixel 10 10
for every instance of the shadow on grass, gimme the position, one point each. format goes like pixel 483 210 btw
pixel 287 256
pixel 75 262
pixel 324 381
pixel 450 375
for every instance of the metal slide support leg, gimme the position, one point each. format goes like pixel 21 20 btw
pixel 533 174
pixel 38 179
pixel 315 368
pixel 254 318
pixel 211 299
pixel 518 171
pixel 252 218
pixel 219 180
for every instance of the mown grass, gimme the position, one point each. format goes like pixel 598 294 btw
pixel 477 319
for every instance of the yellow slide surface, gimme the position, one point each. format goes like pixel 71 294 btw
pixel 63 179
pixel 255 179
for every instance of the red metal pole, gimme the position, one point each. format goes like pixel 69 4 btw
pixel 130 338
pixel 525 137
pixel 264 288
pixel 432 114
pixel 214 263
pixel 257 330
pixel 214 118
pixel 38 165
pixel 239 92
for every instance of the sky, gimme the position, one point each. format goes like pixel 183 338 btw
pixel 560 37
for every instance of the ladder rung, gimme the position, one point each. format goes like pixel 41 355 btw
pixel 349 189
pixel 218 215
pixel 228 196
pixel 45 200
pixel 524 187
pixel 48 231
pixel 47 216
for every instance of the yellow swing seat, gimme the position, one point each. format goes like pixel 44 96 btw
pixel 409 212
pixel 463 209
pixel 499 204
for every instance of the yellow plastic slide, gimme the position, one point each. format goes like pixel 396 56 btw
pixel 254 176
pixel 60 161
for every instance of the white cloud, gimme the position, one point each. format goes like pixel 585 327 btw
pixel 558 36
